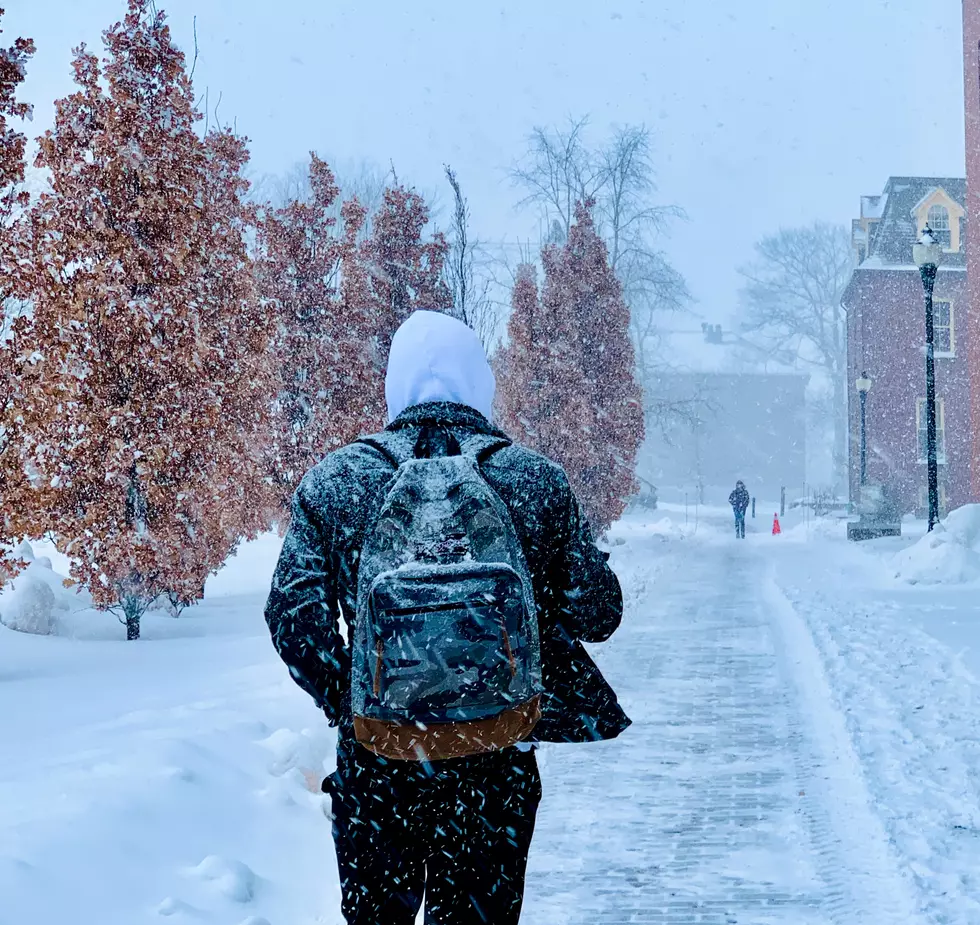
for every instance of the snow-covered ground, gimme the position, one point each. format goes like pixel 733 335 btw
pixel 804 750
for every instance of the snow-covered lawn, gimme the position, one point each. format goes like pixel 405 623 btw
pixel 903 663
pixel 162 780
pixel 805 749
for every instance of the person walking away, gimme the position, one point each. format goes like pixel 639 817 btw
pixel 469 578
pixel 739 500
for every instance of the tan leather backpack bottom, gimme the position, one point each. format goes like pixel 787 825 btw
pixel 448 740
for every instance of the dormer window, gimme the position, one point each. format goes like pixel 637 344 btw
pixel 938 220
pixel 942 213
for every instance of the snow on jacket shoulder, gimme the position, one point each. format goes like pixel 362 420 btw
pixel 314 590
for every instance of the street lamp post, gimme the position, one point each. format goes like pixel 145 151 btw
pixel 927 253
pixel 863 385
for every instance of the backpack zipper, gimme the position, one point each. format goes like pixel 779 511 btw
pixel 379 649
pixel 510 651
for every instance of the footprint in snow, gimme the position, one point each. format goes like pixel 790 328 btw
pixel 171 906
pixel 233 879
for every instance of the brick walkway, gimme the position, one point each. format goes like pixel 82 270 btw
pixel 698 814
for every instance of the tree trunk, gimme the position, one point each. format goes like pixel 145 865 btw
pixel 132 610
pixel 840 435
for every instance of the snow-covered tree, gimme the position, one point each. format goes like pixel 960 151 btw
pixel 338 297
pixel 142 361
pixel 567 376
pixel 13 70
pixel 298 270
pixel 562 167
pixel 405 270
pixel 13 61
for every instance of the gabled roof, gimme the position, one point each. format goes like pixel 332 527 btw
pixel 895 231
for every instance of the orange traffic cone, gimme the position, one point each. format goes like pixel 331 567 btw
pixel 775 525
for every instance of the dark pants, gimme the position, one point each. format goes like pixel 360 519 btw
pixel 740 524
pixel 459 830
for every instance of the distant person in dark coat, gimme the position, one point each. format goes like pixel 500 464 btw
pixel 739 500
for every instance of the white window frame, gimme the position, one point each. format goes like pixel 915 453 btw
pixel 924 499
pixel 939 352
pixel 920 431
pixel 939 214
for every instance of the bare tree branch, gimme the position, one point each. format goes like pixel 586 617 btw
pixel 466 275
pixel 357 179
pixel 560 169
pixel 791 309
pixel 194 63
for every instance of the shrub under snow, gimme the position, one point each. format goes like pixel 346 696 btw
pixel 28 605
pixel 30 602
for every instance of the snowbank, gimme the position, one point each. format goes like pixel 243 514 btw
pixel 950 554
pixel 29 606
pixel 31 602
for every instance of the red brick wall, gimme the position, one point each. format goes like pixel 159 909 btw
pixel 886 337
pixel 971 60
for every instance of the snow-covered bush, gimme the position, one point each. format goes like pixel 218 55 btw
pixel 28 606
pixel 30 601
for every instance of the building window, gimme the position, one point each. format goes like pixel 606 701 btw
pixel 942 326
pixel 920 428
pixel 924 500
pixel 938 220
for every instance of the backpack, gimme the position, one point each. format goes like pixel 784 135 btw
pixel 445 656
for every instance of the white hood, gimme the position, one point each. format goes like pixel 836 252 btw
pixel 436 358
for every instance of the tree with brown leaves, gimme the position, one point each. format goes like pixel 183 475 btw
pixel 567 383
pixel 13 485
pixel 13 70
pixel 320 344
pixel 143 357
pixel 405 271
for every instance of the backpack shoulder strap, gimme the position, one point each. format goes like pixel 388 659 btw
pixel 396 447
pixel 480 447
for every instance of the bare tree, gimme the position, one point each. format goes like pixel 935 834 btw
pixel 560 169
pixel 465 272
pixel 361 179
pixel 791 309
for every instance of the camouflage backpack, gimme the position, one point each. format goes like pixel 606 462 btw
pixel 445 656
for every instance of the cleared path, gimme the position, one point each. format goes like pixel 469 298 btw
pixel 734 798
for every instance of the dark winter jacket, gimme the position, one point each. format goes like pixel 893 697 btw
pixel 577 594
pixel 739 499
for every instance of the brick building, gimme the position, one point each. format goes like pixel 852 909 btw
pixel 971 313
pixel 886 338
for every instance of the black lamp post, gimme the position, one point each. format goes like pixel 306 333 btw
pixel 927 253
pixel 863 385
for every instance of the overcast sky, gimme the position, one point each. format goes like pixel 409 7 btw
pixel 765 112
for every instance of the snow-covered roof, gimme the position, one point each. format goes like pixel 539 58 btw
pixel 875 262
pixel 929 193
pixel 873 206
pixel 893 234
